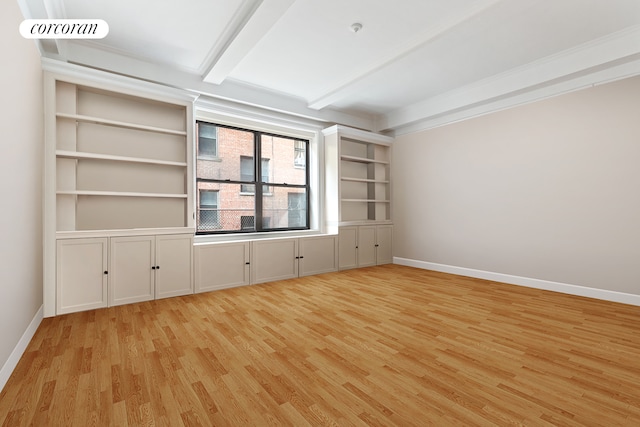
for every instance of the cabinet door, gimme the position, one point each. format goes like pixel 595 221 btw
pixel 174 266
pixel 130 269
pixel 274 260
pixel 317 255
pixel 366 245
pixel 222 265
pixel 347 248
pixel 81 274
pixel 384 238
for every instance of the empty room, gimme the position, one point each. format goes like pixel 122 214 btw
pixel 305 213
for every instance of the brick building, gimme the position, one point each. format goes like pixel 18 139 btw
pixel 228 200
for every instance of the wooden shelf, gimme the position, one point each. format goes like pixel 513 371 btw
pixel 374 181
pixel 93 156
pixel 362 160
pixel 365 200
pixel 120 194
pixel 107 122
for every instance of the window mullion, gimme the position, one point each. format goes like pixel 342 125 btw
pixel 257 159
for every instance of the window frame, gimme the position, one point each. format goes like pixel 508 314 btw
pixel 259 184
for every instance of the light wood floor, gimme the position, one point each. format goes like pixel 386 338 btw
pixel 387 346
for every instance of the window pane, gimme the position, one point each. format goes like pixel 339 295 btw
pixel 232 146
pixel 285 208
pixel 232 212
pixel 208 218
pixel 282 153
pixel 207 141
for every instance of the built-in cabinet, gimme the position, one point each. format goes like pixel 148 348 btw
pixel 222 265
pixel 108 271
pixel 118 180
pixel 119 204
pixel 280 259
pixel 365 245
pixel 230 264
pixel 358 195
pixel 82 270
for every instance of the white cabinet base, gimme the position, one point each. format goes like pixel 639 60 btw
pixel 131 277
pixel 81 274
pixel 222 265
pixel 365 245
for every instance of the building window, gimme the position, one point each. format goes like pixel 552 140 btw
pixel 300 154
pixel 207 141
pixel 247 172
pixel 252 196
pixel 208 215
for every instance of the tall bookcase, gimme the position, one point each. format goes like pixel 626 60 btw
pixel 358 196
pixel 118 163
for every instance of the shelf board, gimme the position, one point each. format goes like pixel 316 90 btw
pixel 120 194
pixel 116 123
pixel 365 222
pixel 374 181
pixel 365 200
pixel 93 156
pixel 362 160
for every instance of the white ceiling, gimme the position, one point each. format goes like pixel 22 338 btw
pixel 413 64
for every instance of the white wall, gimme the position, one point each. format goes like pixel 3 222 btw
pixel 549 191
pixel 21 146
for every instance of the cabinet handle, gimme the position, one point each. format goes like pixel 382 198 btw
pixel 157 267
pixel 247 263
pixel 301 257
pixel 377 246
pixel 106 272
pixel 297 257
pixel 356 247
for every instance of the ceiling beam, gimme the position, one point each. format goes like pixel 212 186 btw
pixel 343 88
pixel 254 20
pixel 612 57
pixel 229 91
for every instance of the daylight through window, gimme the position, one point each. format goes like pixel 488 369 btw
pixel 238 194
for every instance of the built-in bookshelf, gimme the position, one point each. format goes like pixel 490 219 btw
pixel 358 179
pixel 121 160
pixel 118 191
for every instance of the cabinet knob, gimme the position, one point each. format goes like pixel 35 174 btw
pixel 157 267
pixel 377 246
pixel 106 272
pixel 301 257
pixel 247 263
pixel 153 267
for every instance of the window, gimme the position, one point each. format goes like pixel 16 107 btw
pixel 247 174
pixel 208 216
pixel 207 141
pixel 252 196
pixel 300 154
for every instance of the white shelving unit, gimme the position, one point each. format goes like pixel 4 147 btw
pixel 358 195
pixel 118 162
pixel 358 180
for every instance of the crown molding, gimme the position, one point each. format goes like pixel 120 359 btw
pixel 610 58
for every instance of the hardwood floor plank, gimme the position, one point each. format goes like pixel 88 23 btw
pixel 388 346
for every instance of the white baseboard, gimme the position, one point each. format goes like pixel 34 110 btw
pixel 19 349
pixel 564 288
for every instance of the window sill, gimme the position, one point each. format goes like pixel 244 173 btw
pixel 222 238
